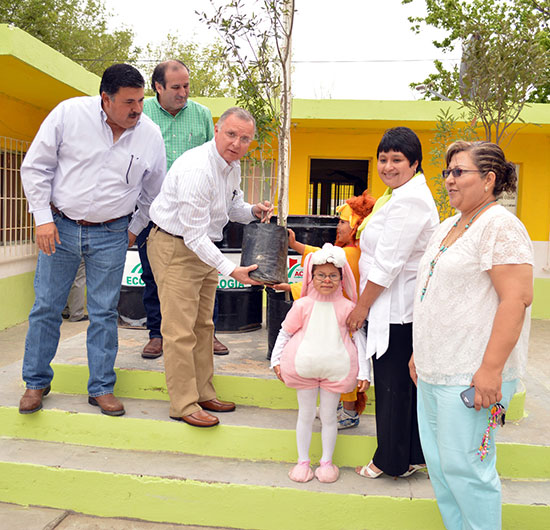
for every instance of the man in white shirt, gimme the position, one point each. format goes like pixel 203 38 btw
pixel 91 162
pixel 200 194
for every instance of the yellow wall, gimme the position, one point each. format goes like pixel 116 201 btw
pixel 530 151
pixel 19 120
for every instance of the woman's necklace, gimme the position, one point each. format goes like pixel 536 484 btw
pixel 444 246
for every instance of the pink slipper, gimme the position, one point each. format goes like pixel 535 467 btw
pixel 327 472
pixel 301 472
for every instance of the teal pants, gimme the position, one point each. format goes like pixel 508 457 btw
pixel 467 490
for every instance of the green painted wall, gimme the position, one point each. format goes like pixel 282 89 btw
pixel 17 295
pixel 541 301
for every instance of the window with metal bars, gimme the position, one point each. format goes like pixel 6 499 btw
pixel 258 180
pixel 332 181
pixel 16 223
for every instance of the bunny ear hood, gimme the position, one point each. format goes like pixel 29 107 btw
pixel 329 254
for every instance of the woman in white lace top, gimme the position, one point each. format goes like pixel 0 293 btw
pixel 471 328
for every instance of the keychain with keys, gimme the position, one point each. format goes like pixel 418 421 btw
pixel 497 415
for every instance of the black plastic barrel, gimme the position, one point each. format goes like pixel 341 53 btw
pixel 313 230
pixel 240 308
pixel 131 311
pixel 277 308
pixel 232 236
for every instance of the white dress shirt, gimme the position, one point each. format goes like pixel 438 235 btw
pixel 392 244
pixel 200 195
pixel 74 164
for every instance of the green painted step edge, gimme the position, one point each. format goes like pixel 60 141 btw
pixel 254 391
pixel 229 441
pixel 145 384
pixel 229 505
pixel 516 461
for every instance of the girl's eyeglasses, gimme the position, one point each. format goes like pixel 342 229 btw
pixel 321 276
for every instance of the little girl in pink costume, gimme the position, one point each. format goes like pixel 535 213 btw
pixel 315 353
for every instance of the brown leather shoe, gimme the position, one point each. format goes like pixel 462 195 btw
pixel 216 405
pixel 31 401
pixel 199 419
pixel 153 349
pixel 219 348
pixel 108 404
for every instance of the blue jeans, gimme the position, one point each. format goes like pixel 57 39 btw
pixel 150 293
pixel 151 300
pixel 103 249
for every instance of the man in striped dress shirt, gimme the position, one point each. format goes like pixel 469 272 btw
pixel 184 124
pixel 200 195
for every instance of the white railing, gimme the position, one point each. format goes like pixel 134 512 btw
pixel 16 223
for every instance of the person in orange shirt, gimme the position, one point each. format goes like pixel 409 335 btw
pixel 351 213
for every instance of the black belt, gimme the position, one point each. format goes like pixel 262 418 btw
pixel 165 232
pixel 82 221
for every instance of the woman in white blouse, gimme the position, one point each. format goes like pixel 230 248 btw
pixel 392 242
pixel 471 328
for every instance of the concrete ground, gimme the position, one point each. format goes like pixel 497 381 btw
pixel 247 357
pixel 14 517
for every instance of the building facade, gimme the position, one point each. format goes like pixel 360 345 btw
pixel 333 157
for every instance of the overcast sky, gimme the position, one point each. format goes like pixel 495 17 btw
pixel 346 49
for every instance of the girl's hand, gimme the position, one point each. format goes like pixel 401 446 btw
pixel 282 287
pixel 291 237
pixel 362 385
pixel 277 370
pixel 293 244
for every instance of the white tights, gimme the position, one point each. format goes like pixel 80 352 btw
pixel 307 405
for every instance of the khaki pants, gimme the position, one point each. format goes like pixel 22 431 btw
pixel 187 289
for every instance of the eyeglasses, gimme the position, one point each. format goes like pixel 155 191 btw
pixel 457 172
pixel 321 276
pixel 233 136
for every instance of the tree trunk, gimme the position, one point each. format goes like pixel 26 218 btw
pixel 286 117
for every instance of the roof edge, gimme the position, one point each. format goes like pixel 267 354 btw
pixel 30 50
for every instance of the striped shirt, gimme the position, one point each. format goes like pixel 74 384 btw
pixel 200 195
pixel 190 127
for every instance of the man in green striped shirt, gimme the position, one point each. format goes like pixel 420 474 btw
pixel 184 124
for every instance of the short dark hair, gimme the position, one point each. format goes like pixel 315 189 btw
pixel 402 140
pixel 488 156
pixel 159 73
pixel 120 76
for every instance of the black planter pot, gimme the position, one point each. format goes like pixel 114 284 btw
pixel 265 245
pixel 277 308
